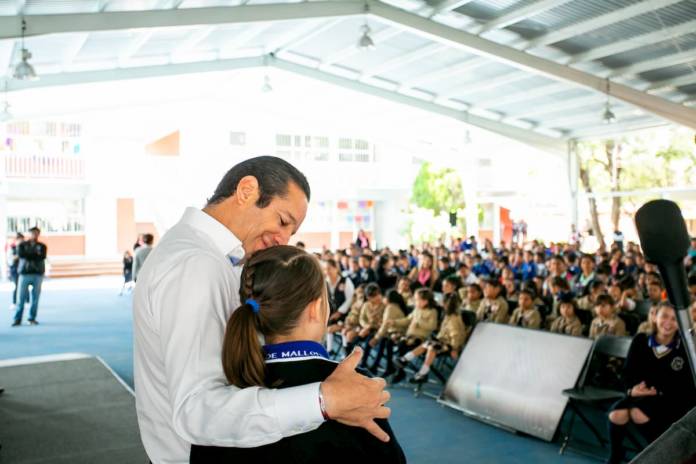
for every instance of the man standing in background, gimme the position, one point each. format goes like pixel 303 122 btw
pixel 32 267
pixel 13 266
pixel 141 254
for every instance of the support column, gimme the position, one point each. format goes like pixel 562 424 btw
pixel 573 169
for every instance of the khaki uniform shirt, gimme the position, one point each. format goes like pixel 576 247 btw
pixel 567 326
pixel 530 319
pixel 353 317
pixel 421 323
pixel 452 331
pixel 493 310
pixel 391 312
pixel 611 326
pixel 371 315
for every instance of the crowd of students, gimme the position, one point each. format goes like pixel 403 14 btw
pixel 408 304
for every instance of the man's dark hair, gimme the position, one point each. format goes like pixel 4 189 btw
pixel 273 175
pixel 148 239
pixel 35 229
pixel 300 244
pixel 19 235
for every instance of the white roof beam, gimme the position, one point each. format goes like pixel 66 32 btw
pixel 525 61
pixel 658 63
pixel 352 49
pixel 11 26
pixel 543 142
pixel 516 14
pixel 404 59
pixel 550 144
pixel 593 24
pixel 633 43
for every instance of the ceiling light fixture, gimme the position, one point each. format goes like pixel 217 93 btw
pixel 608 116
pixel 366 42
pixel 25 71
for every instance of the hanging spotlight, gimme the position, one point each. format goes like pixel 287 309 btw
pixel 266 84
pixel 25 71
pixel 366 42
pixel 608 116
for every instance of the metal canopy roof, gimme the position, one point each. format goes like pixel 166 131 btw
pixel 534 70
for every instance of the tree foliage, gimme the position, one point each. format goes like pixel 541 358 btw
pixel 438 190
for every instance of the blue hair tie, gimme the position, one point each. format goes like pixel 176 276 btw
pixel 254 305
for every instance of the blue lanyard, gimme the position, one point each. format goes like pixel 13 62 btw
pixel 294 351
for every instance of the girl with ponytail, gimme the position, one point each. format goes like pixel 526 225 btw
pixel 285 302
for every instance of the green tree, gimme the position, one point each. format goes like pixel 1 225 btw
pixel 657 158
pixel 438 190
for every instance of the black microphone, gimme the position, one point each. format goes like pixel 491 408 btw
pixel 665 242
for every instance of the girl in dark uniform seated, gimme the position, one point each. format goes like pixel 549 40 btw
pixel 660 388
pixel 286 301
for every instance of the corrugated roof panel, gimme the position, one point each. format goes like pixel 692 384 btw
pixel 649 22
pixel 577 12
pixel 38 7
pixel 688 89
pixel 650 52
pixel 437 61
pixel 131 5
pixel 100 45
pixel 394 48
pixel 335 37
pixel 669 73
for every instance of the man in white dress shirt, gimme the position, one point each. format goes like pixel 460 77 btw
pixel 185 294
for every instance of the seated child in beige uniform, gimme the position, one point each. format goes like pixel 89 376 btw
pixel 420 323
pixel 352 318
pixel 448 341
pixel 352 321
pixel 526 314
pixel 404 288
pixel 648 327
pixel 369 321
pixel 493 307
pixel 606 322
pixel 388 335
pixel 471 297
pixel 589 301
pixel 567 323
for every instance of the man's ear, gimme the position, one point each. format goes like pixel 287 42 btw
pixel 247 192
